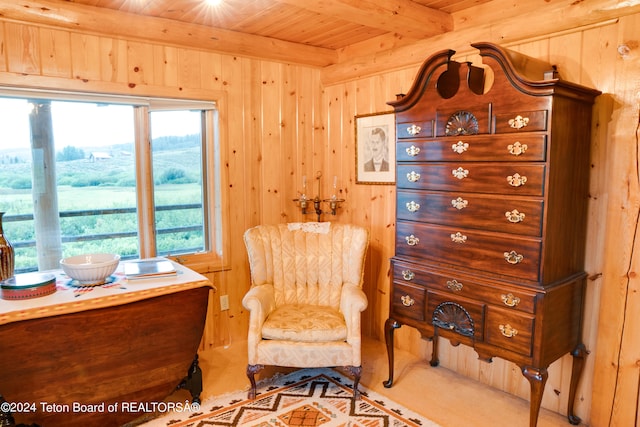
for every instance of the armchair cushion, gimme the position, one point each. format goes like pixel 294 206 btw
pixel 305 323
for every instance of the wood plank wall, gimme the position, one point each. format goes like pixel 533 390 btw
pixel 280 123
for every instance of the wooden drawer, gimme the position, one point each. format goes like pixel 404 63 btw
pixel 509 330
pixel 472 210
pixel 494 148
pixel 523 121
pixel 491 253
pixel 414 129
pixel 497 178
pixel 457 314
pixel 408 301
pixel 491 293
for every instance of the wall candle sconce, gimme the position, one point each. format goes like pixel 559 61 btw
pixel 303 200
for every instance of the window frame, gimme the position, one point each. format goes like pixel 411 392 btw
pixel 215 192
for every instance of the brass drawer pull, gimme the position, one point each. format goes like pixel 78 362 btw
pixel 414 130
pixel 513 257
pixel 460 173
pixel 517 148
pixel 454 285
pixel 510 300
pixel 413 176
pixel 413 151
pixel 460 147
pixel 508 331
pixel 459 203
pixel 407 301
pixel 458 238
pixel 408 274
pixel 516 180
pixel 413 206
pixel 514 216
pixel 518 122
pixel 412 240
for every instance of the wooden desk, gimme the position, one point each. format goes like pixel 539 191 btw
pixel 103 355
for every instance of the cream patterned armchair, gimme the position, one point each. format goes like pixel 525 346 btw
pixel 306 296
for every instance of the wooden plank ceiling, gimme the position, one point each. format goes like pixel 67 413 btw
pixel 311 32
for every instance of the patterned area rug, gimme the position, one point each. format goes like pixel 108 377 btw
pixel 308 397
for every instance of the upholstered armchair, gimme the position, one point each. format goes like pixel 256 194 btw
pixel 306 297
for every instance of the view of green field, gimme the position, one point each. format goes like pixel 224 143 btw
pixel 85 184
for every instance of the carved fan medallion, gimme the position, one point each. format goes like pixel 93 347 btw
pixel 462 123
pixel 452 316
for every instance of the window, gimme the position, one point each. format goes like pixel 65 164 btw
pixel 137 177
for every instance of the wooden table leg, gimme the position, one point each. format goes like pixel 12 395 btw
pixel 537 379
pixel 193 381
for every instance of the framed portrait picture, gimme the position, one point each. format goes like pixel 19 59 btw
pixel 375 148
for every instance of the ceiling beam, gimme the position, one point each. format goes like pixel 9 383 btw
pixel 115 23
pixel 404 17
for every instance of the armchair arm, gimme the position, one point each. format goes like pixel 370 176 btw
pixel 353 301
pixel 260 301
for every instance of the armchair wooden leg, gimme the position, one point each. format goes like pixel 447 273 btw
pixel 251 371
pixel 356 371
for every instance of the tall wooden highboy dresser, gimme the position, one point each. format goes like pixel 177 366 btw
pixel 492 192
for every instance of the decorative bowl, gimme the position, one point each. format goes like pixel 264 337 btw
pixel 90 269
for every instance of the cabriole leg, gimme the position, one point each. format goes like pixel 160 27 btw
pixel 389 326
pixel 252 370
pixel 537 379
pixel 579 355
pixel 356 371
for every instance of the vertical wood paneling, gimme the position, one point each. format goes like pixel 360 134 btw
pixel 211 72
pixel 189 69
pixel 617 371
pixel 252 127
pixel 113 60
pixel 289 137
pixel 85 54
pixel 335 153
pixel 140 64
pixel 23 48
pixel 345 171
pixel 167 65
pixel 242 187
pixel 570 59
pixel 307 121
pixel 54 53
pixel 271 143
pixel 329 151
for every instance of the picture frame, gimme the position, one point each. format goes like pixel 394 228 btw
pixel 375 136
